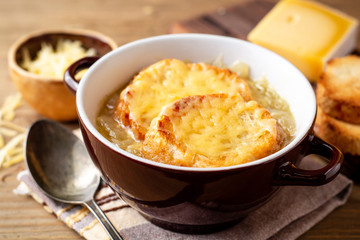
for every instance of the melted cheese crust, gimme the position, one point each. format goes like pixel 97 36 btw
pixel 212 131
pixel 167 81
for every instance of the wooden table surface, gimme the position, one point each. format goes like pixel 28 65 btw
pixel 124 21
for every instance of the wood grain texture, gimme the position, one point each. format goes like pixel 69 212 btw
pixel 234 21
pixel 124 21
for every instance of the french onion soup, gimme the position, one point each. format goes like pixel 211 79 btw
pixel 197 115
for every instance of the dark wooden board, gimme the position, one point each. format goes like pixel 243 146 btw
pixel 235 21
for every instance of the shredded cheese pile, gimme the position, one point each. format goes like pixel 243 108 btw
pixel 12 136
pixel 51 62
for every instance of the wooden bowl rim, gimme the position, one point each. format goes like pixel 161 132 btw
pixel 13 65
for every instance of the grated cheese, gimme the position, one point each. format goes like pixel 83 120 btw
pixel 12 136
pixel 52 63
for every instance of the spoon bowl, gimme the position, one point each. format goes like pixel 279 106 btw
pixel 62 169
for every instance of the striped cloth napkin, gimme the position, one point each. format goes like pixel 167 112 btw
pixel 289 214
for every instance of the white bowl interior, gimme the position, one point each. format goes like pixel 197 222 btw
pixel 119 66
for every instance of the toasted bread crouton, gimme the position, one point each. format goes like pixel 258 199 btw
pixel 212 131
pixel 338 90
pixel 344 135
pixel 167 81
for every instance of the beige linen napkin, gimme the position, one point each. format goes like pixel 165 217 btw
pixel 290 213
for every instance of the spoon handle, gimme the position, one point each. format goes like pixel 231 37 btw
pixel 99 214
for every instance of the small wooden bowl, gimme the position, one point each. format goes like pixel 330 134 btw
pixel 46 95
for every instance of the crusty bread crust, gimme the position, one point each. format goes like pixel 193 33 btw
pixel 195 132
pixel 167 81
pixel 345 136
pixel 338 90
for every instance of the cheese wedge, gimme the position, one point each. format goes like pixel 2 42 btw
pixel 306 33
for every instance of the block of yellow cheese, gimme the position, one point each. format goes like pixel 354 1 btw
pixel 306 33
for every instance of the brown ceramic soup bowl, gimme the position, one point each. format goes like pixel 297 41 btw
pixel 199 199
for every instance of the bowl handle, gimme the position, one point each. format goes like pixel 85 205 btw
pixel 69 76
pixel 289 174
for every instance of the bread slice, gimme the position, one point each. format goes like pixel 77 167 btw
pixel 212 131
pixel 167 81
pixel 344 135
pixel 338 90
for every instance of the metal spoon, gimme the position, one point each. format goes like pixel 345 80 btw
pixel 62 168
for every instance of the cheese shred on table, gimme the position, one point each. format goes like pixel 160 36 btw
pixel 12 135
